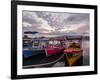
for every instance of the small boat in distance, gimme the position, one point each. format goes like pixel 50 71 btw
pixel 54 46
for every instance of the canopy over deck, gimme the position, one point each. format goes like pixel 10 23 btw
pixel 30 32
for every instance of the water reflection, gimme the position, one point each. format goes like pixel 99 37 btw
pixel 86 52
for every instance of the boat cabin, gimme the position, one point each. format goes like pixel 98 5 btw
pixel 55 43
pixel 39 43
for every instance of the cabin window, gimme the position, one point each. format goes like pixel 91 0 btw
pixel 35 43
pixel 55 43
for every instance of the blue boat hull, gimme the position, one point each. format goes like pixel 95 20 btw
pixel 30 53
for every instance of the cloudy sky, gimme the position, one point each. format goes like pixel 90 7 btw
pixel 55 22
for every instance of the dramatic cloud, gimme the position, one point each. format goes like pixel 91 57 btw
pixel 54 22
pixel 26 24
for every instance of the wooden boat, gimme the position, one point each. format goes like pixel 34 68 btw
pixel 73 51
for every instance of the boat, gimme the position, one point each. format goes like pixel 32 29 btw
pixel 35 48
pixel 55 46
pixel 32 45
pixel 73 51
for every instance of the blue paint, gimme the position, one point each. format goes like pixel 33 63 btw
pixel 27 53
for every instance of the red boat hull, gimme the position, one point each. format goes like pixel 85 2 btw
pixel 53 51
pixel 73 51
